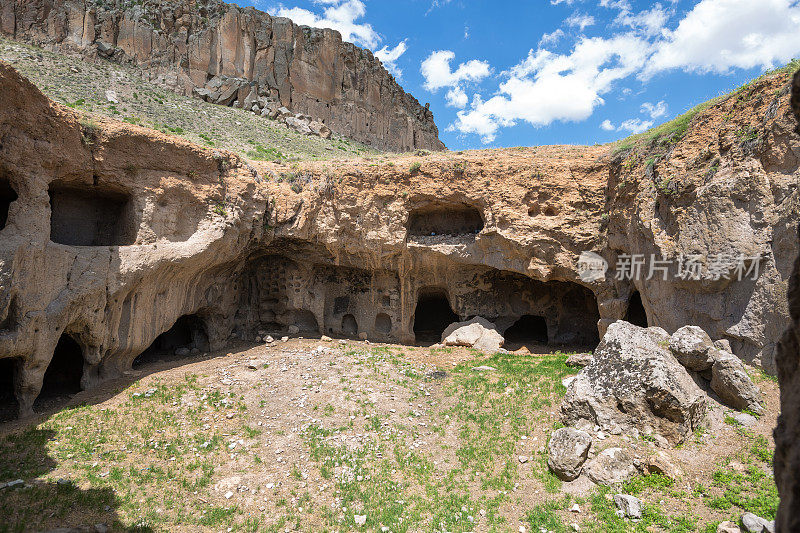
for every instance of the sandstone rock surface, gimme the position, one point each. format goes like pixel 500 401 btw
pixel 476 333
pixel 635 383
pixel 230 55
pixel 567 451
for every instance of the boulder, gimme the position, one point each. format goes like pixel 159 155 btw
pixel 319 129
pixel 630 506
pixel 634 383
pixel 568 449
pixel 579 359
pixel 611 466
pixel 298 125
pixel 476 333
pixel 733 385
pixel 661 463
pixel 728 527
pixel 755 524
pixel 693 348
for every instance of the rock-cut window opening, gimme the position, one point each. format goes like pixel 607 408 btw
pixel 445 219
pixel 432 316
pixel 90 217
pixel 349 325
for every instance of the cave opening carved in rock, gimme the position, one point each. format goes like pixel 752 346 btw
pixel 432 316
pixel 383 324
pixel 63 375
pixel 528 331
pixel 7 196
pixel 188 336
pixel 444 219
pixel 90 216
pixel 636 314
pixel 8 399
pixel 306 322
pixel 349 325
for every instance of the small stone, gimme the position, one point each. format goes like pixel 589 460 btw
pixel 268 339
pixel 575 527
pixel 728 527
pixel 483 368
pixel 575 508
pixel 360 519
pixel 325 338
pixel 629 505
pixel 523 458
pixel 744 419
pixel 284 338
pixel 522 529
pixel 229 495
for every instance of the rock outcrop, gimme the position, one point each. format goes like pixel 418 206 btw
pixel 634 384
pixel 787 432
pixel 476 333
pixel 115 240
pixel 236 56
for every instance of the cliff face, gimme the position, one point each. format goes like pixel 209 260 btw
pixel 111 235
pixel 230 55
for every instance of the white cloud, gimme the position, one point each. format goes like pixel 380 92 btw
pixel 580 20
pixel 437 72
pixel 556 2
pixel 546 87
pixel 635 125
pixel 655 110
pixel 717 35
pixel 551 38
pixel 456 97
pixel 651 21
pixel 632 125
pixel 389 57
pixel 340 15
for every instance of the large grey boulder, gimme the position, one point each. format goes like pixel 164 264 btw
pixel 693 348
pixel 611 466
pixel 568 449
pixel 634 383
pixel 476 333
pixel 755 524
pixel 630 506
pixel 733 385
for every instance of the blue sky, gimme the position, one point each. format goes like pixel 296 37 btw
pixel 533 72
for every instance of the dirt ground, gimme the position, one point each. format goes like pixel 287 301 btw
pixel 337 435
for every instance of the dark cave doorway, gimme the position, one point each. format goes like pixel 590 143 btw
pixel 349 326
pixel 62 379
pixel 186 337
pixel 9 407
pixel 432 316
pixel 528 331
pixel 636 314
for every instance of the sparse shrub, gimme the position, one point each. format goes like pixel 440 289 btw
pixel 414 168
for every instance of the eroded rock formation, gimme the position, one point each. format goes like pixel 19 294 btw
pixel 117 239
pixel 787 432
pixel 227 54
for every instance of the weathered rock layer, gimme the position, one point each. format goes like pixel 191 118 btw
pixel 227 54
pixel 117 240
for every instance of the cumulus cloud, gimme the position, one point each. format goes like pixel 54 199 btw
pixel 456 97
pixel 340 15
pixel 580 21
pixel 389 56
pixel 714 36
pixel 437 72
pixel 655 110
pixel 632 125
pixel 546 87
pixel 717 35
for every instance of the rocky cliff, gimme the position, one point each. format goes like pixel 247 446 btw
pixel 234 56
pixel 112 235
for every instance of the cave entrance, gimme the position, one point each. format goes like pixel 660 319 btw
pixel 7 195
pixel 349 325
pixel 9 407
pixel 636 314
pixel 445 219
pixel 187 336
pixel 63 375
pixel 432 315
pixel 306 322
pixel 527 331
pixel 90 217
